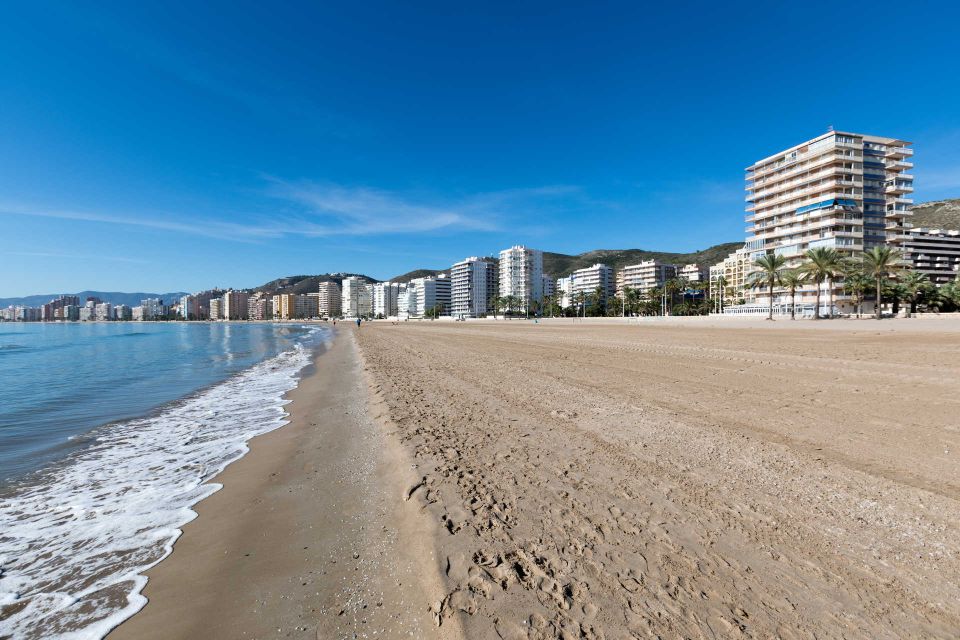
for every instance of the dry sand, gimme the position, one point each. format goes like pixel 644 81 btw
pixel 689 479
pixel 310 536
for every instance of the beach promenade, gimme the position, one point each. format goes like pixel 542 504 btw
pixel 675 478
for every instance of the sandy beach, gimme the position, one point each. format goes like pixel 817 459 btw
pixel 694 479
pixel 677 478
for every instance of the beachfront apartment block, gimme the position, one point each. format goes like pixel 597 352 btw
pixel 934 253
pixel 215 305
pixel 735 269
pixel 846 191
pixel 259 306
pixel 234 305
pixel 103 312
pixel 329 300
pixel 384 299
pixel 292 306
pixel 564 292
pixel 473 288
pixel 429 294
pixel 694 272
pixel 355 298
pixel 521 275
pixel 589 281
pixel 644 276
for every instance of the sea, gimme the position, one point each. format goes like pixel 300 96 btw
pixel 109 434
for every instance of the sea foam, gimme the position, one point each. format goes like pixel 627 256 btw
pixel 76 540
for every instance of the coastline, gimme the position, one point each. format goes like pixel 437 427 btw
pixel 310 536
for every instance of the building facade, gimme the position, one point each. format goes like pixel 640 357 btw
pixel 521 275
pixel 845 191
pixel 933 252
pixel 645 276
pixel 383 299
pixel 694 272
pixel 355 298
pixel 589 281
pixel 473 288
pixel 430 294
pixel 234 305
pixel 329 300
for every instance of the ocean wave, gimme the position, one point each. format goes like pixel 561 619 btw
pixel 76 541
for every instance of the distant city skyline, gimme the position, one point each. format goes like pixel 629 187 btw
pixel 146 151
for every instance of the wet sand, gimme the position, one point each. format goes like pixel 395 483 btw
pixel 685 479
pixel 310 536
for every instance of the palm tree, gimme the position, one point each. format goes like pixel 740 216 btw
pixel 721 284
pixel 792 279
pixel 770 273
pixel 856 283
pixel 878 263
pixel 823 264
pixel 914 283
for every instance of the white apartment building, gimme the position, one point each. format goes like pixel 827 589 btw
pixel 216 311
pixel 329 300
pixel 384 299
pixel 104 312
pixel 407 301
pixel 473 288
pixel 122 312
pixel 431 293
pixel 934 252
pixel 589 279
pixel 188 308
pixel 694 272
pixel 564 292
pixel 645 276
pixel 355 299
pixel 153 308
pixel 521 275
pixel 847 191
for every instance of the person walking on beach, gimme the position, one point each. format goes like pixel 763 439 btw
pixel 358 323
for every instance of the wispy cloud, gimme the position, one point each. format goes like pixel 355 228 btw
pixel 331 209
pixel 200 227
pixel 314 209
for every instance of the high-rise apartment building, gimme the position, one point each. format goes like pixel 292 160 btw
pixel 430 295
pixel 234 306
pixel 846 191
pixel 645 276
pixel 104 312
pixel 383 299
pixel 564 292
pixel 329 300
pixel 473 288
pixel 355 299
pixel 153 308
pixel 591 280
pixel 259 306
pixel 521 275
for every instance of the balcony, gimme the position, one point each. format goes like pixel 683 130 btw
pixel 898 188
pixel 898 152
pixel 898 165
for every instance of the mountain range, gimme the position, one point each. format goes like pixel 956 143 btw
pixel 940 214
pixel 113 297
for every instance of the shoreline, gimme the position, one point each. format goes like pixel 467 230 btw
pixel 309 536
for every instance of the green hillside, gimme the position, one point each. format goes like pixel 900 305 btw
pixel 559 265
pixel 305 284
pixel 941 214
pixel 419 273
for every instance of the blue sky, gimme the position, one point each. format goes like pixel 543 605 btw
pixel 163 146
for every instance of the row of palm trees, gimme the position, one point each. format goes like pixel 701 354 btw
pixel 873 269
